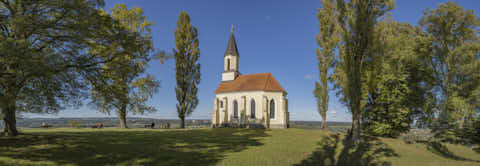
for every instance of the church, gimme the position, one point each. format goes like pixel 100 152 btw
pixel 251 100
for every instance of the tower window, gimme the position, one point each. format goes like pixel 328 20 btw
pixel 228 64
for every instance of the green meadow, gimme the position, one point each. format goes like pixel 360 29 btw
pixel 111 146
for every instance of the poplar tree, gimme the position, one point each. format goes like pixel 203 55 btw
pixel 187 68
pixel 357 20
pixel 127 88
pixel 327 40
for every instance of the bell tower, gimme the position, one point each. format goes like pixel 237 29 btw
pixel 231 60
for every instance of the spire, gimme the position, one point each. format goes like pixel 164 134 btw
pixel 232 45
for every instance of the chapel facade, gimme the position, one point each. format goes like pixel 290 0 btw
pixel 251 100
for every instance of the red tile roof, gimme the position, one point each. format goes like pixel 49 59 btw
pixel 251 82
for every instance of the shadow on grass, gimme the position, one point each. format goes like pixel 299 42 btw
pixel 175 147
pixel 441 150
pixel 370 152
pixel 477 149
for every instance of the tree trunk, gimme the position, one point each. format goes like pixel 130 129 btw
pixel 122 115
pixel 356 129
pixel 462 121
pixel 9 120
pixel 324 121
pixel 182 123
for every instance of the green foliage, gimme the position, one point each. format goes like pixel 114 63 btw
pixel 126 88
pixel 187 68
pixel 357 20
pixel 73 124
pixel 44 66
pixel 390 77
pixel 327 40
pixel 451 47
pixel 469 134
pixel 388 115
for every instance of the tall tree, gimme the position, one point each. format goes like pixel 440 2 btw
pixel 357 20
pixel 452 46
pixel 327 41
pixel 187 68
pixel 392 76
pixel 41 45
pixel 44 66
pixel 127 88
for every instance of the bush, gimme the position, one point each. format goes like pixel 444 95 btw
pixel 387 113
pixel 385 129
pixel 471 134
pixel 468 135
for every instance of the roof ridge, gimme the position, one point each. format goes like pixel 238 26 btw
pixel 257 73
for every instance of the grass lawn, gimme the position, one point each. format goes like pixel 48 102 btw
pixel 219 147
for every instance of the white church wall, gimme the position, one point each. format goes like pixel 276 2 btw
pixel 258 96
pixel 278 98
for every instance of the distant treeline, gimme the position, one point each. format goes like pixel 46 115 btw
pixel 140 122
pixel 107 122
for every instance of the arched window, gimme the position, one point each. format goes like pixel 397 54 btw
pixel 228 64
pixel 221 104
pixel 235 109
pixel 252 109
pixel 272 109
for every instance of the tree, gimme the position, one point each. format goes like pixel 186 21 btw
pixel 327 41
pixel 452 47
pixel 44 66
pixel 187 68
pixel 395 84
pixel 357 20
pixel 127 88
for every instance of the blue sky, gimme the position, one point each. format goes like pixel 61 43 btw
pixel 276 36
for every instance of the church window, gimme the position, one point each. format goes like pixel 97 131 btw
pixel 235 109
pixel 252 109
pixel 221 104
pixel 272 109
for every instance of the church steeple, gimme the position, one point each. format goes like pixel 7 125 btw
pixel 232 45
pixel 231 59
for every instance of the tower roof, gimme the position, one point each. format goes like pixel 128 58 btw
pixel 232 46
